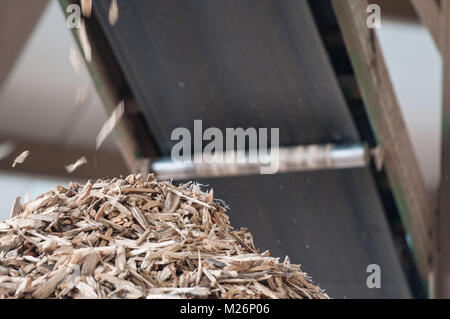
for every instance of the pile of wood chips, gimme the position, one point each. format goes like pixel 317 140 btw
pixel 136 238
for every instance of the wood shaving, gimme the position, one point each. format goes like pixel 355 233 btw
pixel 81 95
pixel 72 167
pixel 75 60
pixel 15 209
pixel 98 241
pixel 113 12
pixel 6 149
pixel 86 7
pixel 109 125
pixel 84 42
pixel 21 158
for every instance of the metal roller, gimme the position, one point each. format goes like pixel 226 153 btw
pixel 290 159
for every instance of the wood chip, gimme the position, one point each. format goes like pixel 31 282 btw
pixel 113 15
pixel 15 209
pixel 121 259
pixel 104 240
pixel 81 95
pixel 86 7
pixel 72 167
pixel 172 202
pixel 84 42
pixel 87 291
pixel 75 60
pixel 109 125
pixel 6 149
pixel 48 286
pixel 21 158
pixel 89 264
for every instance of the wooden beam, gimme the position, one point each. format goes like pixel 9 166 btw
pixel 443 279
pixel 17 20
pixel 51 159
pixel 400 10
pixel 412 198
pixel 429 13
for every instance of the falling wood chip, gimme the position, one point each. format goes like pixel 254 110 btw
pixel 109 125
pixel 21 158
pixel 81 95
pixel 84 41
pixel 86 7
pixel 6 149
pixel 75 60
pixel 98 241
pixel 72 167
pixel 113 12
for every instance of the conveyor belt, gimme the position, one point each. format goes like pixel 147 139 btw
pixel 261 63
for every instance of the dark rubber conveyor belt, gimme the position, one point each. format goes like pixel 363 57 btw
pixel 261 63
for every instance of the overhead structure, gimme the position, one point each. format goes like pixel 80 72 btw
pixel 435 15
pixel 17 20
pixel 270 64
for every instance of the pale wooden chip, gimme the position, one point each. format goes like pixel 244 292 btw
pixel 113 15
pixel 75 60
pixel 86 291
pixel 84 42
pixel 15 209
pixel 81 95
pixel 46 289
pixel 6 149
pixel 72 167
pixel 121 259
pixel 86 7
pixel 89 264
pixel 21 158
pixel 109 125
